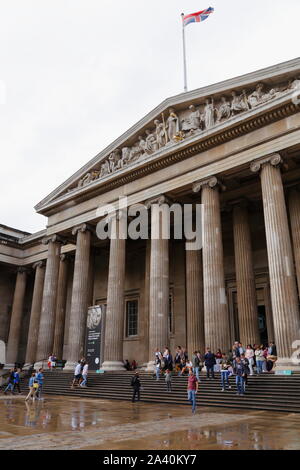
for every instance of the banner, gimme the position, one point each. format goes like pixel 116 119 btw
pixel 94 343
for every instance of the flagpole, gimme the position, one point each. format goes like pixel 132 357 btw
pixel 184 56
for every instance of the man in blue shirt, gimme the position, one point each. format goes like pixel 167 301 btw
pixel 40 379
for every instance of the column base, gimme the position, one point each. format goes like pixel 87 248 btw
pixel 286 363
pixel 112 366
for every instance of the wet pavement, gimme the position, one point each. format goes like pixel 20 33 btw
pixel 74 423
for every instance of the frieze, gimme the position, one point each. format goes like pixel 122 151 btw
pixel 178 126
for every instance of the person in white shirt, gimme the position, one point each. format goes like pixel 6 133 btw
pixel 84 375
pixel 77 374
pixel 249 354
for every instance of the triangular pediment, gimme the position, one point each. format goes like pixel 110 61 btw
pixel 180 121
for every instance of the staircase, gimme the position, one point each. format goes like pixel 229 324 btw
pixel 264 392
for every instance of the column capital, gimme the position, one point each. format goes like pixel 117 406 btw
pixel 275 160
pixel 64 257
pixel 39 264
pixel 54 239
pixel 211 182
pixel 23 269
pixel 160 200
pixel 82 228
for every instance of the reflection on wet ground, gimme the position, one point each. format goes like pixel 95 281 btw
pixel 74 423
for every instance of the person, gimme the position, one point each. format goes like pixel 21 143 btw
pixel 241 349
pixel 168 379
pixel 84 375
pixel 235 350
pixel 11 381
pixel 187 366
pixel 17 380
pixel 196 362
pixel 260 358
pixel 272 351
pixel 177 360
pixel 127 365
pixel 49 361
pixel 53 361
pixel 239 370
pixel 168 359
pixel 192 389
pixel 249 354
pixel 157 363
pixel 77 374
pixel 40 379
pixel 133 364
pixel 218 357
pixel 245 362
pixel 209 363
pixel 33 387
pixel 225 364
pixel 136 385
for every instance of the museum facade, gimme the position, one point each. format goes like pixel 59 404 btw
pixel 232 147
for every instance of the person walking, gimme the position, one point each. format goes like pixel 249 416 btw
pixel 40 379
pixel 239 370
pixel 77 374
pixel 17 380
pixel 196 362
pixel 168 379
pixel 192 389
pixel 136 385
pixel 84 375
pixel 11 382
pixel 158 365
pixel 209 363
pixel 33 387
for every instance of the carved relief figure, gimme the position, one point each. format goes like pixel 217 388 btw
pixel 152 145
pixel 88 178
pixel 239 103
pixel 125 155
pixel 193 121
pixel 172 125
pixel 224 110
pixel 104 170
pixel 209 113
pixel 161 136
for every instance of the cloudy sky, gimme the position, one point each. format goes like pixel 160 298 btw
pixel 75 74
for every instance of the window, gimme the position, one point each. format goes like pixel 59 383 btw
pixel 131 317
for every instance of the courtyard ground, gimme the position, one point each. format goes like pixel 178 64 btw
pixel 73 423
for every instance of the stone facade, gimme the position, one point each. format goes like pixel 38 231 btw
pixel 233 147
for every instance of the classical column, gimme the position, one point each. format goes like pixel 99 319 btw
pixel 294 209
pixel 60 312
pixel 159 278
pixel 79 302
pixel 284 296
pixel 246 290
pixel 216 318
pixel 16 318
pixel 114 324
pixel 194 301
pixel 35 314
pixel 47 320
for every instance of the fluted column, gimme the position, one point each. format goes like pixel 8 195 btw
pixel 246 290
pixel 114 324
pixel 159 278
pixel 194 301
pixel 79 302
pixel 61 307
pixel 35 313
pixel 284 296
pixel 47 320
pixel 294 208
pixel 216 321
pixel 16 318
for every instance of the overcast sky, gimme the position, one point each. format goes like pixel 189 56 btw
pixel 75 74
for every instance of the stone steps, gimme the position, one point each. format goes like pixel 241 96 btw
pixel 265 392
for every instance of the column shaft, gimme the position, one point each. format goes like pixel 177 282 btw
pixel 294 207
pixel 216 319
pixel 282 279
pixel 35 314
pixel 61 307
pixel 16 318
pixel 194 301
pixel 47 320
pixel 114 327
pixel 246 290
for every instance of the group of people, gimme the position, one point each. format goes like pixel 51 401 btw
pixel 80 374
pixel 13 381
pixel 35 385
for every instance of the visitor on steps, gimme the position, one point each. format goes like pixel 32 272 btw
pixel 196 361
pixel 84 375
pixel 136 385
pixel 245 362
pixel 249 354
pixel 192 389
pixel 239 370
pixel 11 381
pixel 17 380
pixel 77 374
pixel 40 379
pixel 210 361
pixel 33 387
pixel 260 359
pixel 225 365
pixel 168 379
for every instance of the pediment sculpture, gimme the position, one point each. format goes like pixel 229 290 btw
pixel 178 126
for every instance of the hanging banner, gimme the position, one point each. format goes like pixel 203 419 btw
pixel 94 343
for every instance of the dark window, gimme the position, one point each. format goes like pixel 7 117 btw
pixel 131 317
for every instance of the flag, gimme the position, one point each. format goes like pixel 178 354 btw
pixel 197 17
